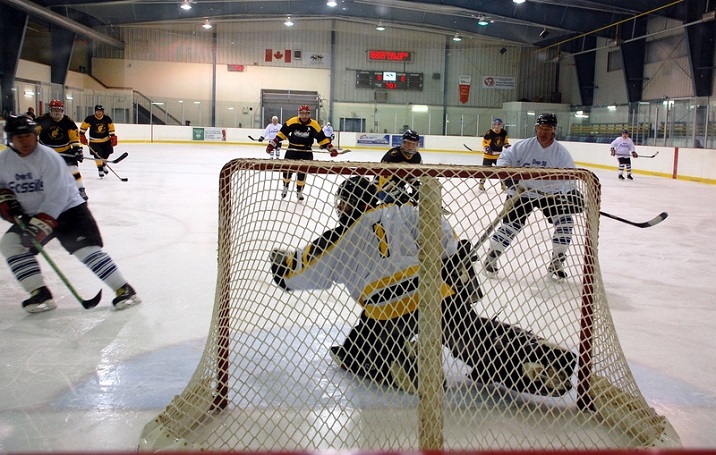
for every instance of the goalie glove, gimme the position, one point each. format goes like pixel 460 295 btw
pixel 9 205
pixel 38 229
pixel 83 139
pixel 79 154
pixel 271 146
pixel 113 140
pixel 282 262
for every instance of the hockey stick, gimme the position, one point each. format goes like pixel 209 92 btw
pixel 115 161
pixel 465 145
pixel 648 156
pixel 87 304
pixel 506 208
pixel 652 222
pixel 97 157
pixel 256 140
pixel 340 152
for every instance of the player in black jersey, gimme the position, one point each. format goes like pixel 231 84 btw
pixel 406 152
pixel 102 139
pixel 492 143
pixel 300 132
pixel 59 132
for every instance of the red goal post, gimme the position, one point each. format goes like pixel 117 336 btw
pixel 236 394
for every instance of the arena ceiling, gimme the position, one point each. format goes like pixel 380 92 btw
pixel 539 23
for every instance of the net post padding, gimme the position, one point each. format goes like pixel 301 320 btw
pixel 265 380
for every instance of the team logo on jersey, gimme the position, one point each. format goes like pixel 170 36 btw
pixel 302 134
pixel 101 128
pixel 57 133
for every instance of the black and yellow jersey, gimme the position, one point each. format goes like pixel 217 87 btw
pixel 100 129
pixel 496 141
pixel 60 135
pixel 301 136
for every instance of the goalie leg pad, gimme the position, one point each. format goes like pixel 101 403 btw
pixel 525 363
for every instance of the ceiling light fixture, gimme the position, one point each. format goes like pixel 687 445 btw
pixel 186 5
pixel 380 27
pixel 207 25
pixel 519 1
pixel 482 20
pixel 332 3
pixel 544 33
pixel 456 37
pixel 288 22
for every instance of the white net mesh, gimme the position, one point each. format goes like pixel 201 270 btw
pixel 534 363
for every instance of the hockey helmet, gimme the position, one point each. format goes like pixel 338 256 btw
pixel 304 108
pixel 355 195
pixel 497 122
pixel 99 107
pixel 274 118
pixel 20 124
pixel 57 109
pixel 411 141
pixel 547 119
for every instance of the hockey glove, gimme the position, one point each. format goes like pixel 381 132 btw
pixel 488 150
pixel 9 206
pixel 612 152
pixel 38 229
pixel 79 154
pixel 282 262
pixel 83 139
pixel 261 138
pixel 634 155
pixel 113 140
pixel 271 146
pixel 332 150
pixel 567 204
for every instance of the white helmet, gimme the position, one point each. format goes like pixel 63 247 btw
pixel 274 118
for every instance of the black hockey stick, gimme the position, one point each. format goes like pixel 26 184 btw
pixel 115 161
pixel 649 156
pixel 87 304
pixel 465 145
pixel 340 152
pixel 254 139
pixel 97 157
pixel 652 222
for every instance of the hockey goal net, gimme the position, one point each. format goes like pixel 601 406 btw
pixel 267 382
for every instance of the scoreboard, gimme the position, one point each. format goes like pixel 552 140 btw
pixel 389 80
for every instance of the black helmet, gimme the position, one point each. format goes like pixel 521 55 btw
pixel 20 124
pixel 99 107
pixel 547 119
pixel 411 135
pixel 357 194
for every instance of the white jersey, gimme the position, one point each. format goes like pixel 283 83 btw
pixel 40 181
pixel 271 130
pixel 623 147
pixel 376 258
pixel 328 131
pixel 530 153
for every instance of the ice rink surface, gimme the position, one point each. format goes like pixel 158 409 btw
pixel 89 380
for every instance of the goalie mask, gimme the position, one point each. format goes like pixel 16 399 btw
pixel 57 110
pixel 355 195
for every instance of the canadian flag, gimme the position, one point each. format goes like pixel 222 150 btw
pixel 278 55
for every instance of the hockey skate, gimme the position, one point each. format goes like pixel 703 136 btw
pixel 368 371
pixel 40 301
pixel 83 194
pixel 284 191
pixel 490 264
pixel 299 195
pixel 126 297
pixel 556 268
pixel 621 177
pixel 629 177
pixel 100 171
pixel 481 186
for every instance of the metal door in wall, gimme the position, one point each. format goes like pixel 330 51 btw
pixel 284 104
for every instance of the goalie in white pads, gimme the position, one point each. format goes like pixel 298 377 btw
pixel 373 252
pixel 558 200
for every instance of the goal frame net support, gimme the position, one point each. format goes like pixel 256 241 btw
pixel 605 392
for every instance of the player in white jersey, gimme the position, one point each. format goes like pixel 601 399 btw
pixel 269 134
pixel 623 148
pixel 328 131
pixel 373 252
pixel 557 199
pixel 39 197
